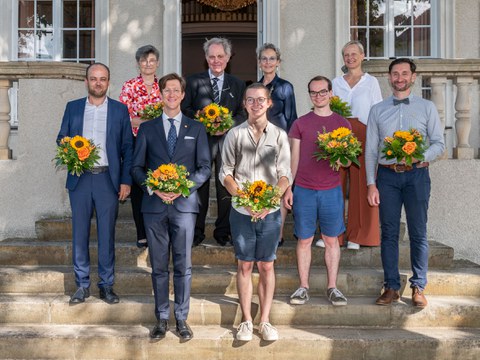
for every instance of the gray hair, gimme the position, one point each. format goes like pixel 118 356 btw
pixel 227 45
pixel 268 46
pixel 144 51
pixel 354 42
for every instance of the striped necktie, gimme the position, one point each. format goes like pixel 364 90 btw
pixel 216 91
pixel 171 138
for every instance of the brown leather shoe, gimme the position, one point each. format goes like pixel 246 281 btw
pixel 418 299
pixel 388 296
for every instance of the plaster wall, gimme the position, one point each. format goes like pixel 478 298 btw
pixel 31 188
pixel 467 29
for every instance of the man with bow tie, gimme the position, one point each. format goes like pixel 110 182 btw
pixel 215 85
pixel 169 217
pixel 393 184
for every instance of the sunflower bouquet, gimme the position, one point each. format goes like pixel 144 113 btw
pixel 169 178
pixel 338 146
pixel 340 107
pixel 257 196
pixel 152 111
pixel 77 154
pixel 216 118
pixel 404 146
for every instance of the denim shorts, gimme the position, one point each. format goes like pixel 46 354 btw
pixel 255 241
pixel 324 206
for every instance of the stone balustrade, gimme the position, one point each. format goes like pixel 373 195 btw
pixel 463 73
pixel 13 71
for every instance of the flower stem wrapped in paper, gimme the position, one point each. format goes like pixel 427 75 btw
pixel 216 118
pixel 339 147
pixel 77 154
pixel 257 196
pixel 404 146
pixel 169 178
pixel 152 111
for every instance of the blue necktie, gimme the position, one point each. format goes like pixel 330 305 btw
pixel 216 92
pixel 171 138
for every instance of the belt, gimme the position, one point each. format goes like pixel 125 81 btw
pixel 400 168
pixel 98 170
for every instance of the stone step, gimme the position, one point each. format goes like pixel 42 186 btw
pixel 218 343
pixel 221 280
pixel 442 311
pixel 36 252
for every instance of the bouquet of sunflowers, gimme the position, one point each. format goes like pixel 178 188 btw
pixel 152 111
pixel 257 196
pixel 340 107
pixel 338 146
pixel 170 178
pixel 404 146
pixel 216 118
pixel 77 154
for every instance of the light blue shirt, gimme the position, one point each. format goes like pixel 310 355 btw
pixel 385 118
pixel 95 128
pixel 166 123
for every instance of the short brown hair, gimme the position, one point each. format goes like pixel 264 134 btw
pixel 172 76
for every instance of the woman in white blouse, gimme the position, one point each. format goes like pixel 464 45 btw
pixel 361 91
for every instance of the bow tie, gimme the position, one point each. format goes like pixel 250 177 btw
pixel 405 101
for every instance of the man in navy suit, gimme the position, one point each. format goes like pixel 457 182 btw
pixel 171 226
pixel 107 123
pixel 215 85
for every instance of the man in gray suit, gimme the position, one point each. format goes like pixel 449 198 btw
pixel 171 225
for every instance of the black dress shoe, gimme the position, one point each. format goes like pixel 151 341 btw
pixel 184 330
pixel 142 243
pixel 280 243
pixel 224 240
pixel 80 295
pixel 107 295
pixel 159 330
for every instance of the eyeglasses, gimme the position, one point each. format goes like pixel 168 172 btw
pixel 148 61
pixel 322 92
pixel 251 101
pixel 267 59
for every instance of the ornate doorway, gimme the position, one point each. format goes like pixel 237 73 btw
pixel 200 22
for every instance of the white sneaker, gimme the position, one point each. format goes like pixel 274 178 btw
pixel 353 246
pixel 269 333
pixel 245 331
pixel 320 243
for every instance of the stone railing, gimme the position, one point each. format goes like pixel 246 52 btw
pixel 14 71
pixel 463 74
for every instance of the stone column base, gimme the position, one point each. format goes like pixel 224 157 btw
pixel 5 154
pixel 463 153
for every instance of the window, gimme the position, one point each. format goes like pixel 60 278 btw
pixel 393 28
pixel 59 30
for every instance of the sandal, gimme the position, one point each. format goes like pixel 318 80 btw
pixel 142 243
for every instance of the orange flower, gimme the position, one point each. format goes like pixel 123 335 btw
pixel 409 147
pixel 83 153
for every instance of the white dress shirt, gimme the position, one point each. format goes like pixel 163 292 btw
pixel 95 128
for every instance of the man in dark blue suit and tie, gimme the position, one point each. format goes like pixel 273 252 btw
pixel 170 218
pixel 215 85
pixel 107 123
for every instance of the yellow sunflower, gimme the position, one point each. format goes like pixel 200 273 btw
pixel 169 171
pixel 79 142
pixel 211 111
pixel 257 188
pixel 341 132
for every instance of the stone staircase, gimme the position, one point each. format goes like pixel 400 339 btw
pixel 36 279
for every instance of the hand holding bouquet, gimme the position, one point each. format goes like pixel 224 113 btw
pixel 152 111
pixel 216 118
pixel 404 146
pixel 338 146
pixel 257 196
pixel 170 178
pixel 77 154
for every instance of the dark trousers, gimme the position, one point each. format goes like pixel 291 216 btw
pixel 94 192
pixel 136 196
pixel 170 231
pixel 412 190
pixel 224 199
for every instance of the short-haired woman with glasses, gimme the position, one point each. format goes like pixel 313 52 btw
pixel 136 93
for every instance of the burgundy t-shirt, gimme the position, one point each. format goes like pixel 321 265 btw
pixel 313 174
